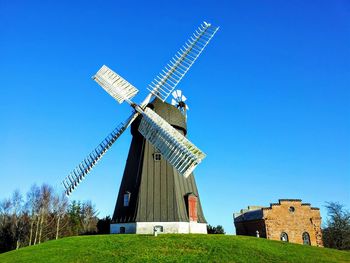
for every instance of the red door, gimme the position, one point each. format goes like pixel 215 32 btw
pixel 192 208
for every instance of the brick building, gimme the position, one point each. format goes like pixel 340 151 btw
pixel 288 220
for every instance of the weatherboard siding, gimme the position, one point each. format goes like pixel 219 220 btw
pixel 158 193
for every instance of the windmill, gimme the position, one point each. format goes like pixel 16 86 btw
pixel 163 135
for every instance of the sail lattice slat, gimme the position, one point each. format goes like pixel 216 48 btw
pixel 78 174
pixel 175 147
pixel 178 66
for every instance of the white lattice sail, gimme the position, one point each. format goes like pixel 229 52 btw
pixel 175 147
pixel 167 80
pixel 115 85
pixel 79 173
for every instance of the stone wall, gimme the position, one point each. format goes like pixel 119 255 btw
pixel 294 218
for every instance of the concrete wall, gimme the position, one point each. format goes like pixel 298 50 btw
pixel 168 227
pixel 130 228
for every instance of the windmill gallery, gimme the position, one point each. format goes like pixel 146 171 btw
pixel 158 190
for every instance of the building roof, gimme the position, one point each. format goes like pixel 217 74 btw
pixel 168 112
pixel 256 212
pixel 290 200
pixel 249 215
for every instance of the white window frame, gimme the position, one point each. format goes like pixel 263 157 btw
pixel 157 157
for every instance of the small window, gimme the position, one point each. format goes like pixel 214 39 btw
pixel 306 238
pixel 284 237
pixel 122 230
pixel 157 156
pixel 292 209
pixel 126 199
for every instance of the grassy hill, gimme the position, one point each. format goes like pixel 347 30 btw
pixel 171 248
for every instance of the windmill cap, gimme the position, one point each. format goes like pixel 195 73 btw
pixel 168 112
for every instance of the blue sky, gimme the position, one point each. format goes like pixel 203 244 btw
pixel 269 97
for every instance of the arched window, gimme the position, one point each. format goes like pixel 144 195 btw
pixel 291 209
pixel 306 238
pixel 284 237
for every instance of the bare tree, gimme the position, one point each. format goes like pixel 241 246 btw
pixel 44 215
pixel 5 208
pixel 17 207
pixel 32 205
pixel 46 192
pixel 59 205
pixel 89 218
pixel 6 239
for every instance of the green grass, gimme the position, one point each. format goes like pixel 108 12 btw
pixel 171 248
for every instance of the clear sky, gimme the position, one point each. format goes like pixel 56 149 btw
pixel 269 97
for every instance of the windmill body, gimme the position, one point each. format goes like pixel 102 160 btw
pixel 152 193
pixel 158 190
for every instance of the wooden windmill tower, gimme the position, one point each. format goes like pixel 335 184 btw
pixel 158 190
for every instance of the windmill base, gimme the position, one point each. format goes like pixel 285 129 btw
pixel 162 227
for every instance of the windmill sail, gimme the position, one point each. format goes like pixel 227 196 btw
pixel 178 66
pixel 175 147
pixel 115 85
pixel 79 173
